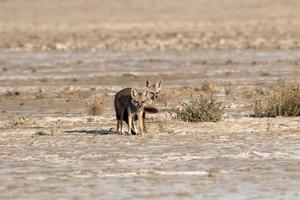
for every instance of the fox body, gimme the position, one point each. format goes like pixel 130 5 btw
pixel 154 92
pixel 129 103
pixel 125 96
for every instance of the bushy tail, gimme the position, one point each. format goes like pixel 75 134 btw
pixel 151 110
pixel 134 128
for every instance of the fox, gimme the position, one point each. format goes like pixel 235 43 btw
pixel 129 103
pixel 154 89
pixel 153 93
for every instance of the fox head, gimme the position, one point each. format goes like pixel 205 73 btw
pixel 154 89
pixel 139 99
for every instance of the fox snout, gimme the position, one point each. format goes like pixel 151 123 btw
pixel 139 105
pixel 154 96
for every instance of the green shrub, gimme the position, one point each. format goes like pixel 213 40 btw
pixel 203 109
pixel 209 86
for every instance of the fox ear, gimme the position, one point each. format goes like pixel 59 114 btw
pixel 134 93
pixel 147 83
pixel 158 84
pixel 146 92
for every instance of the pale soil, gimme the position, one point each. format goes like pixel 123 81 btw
pixel 51 148
pixel 149 25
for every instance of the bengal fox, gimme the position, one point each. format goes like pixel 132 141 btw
pixel 153 92
pixel 154 89
pixel 129 103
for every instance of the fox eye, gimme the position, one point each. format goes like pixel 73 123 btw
pixel 143 102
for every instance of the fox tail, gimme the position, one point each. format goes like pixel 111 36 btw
pixel 151 110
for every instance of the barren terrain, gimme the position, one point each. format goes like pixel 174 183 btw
pixel 57 58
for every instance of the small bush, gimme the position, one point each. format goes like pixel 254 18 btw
pixel 228 89
pixel 209 86
pixel 203 109
pixel 281 100
pixel 95 108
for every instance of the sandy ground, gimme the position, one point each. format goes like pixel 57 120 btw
pixel 56 58
pixel 51 146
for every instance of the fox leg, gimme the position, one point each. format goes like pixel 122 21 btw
pixel 134 129
pixel 118 126
pixel 129 122
pixel 145 129
pixel 144 116
pixel 120 123
pixel 121 126
pixel 141 123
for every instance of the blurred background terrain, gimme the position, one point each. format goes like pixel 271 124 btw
pixel 149 25
pixel 62 62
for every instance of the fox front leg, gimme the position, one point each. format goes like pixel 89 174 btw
pixel 145 129
pixel 141 122
pixel 129 123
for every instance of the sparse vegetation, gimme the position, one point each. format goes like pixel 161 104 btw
pixel 281 100
pixel 164 127
pixel 209 86
pixel 228 89
pixel 95 108
pixel 161 128
pixel 12 93
pixel 19 121
pixel 203 109
pixel 41 133
pixel 16 120
pixel 90 119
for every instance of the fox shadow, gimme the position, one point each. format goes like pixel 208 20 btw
pixel 93 132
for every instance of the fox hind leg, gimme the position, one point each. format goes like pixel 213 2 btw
pixel 118 126
pixel 120 122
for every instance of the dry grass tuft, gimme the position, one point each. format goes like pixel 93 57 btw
pixel 281 100
pixel 42 133
pixel 203 109
pixel 19 121
pixel 95 108
pixel 228 89
pixel 209 86
pixel 12 93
